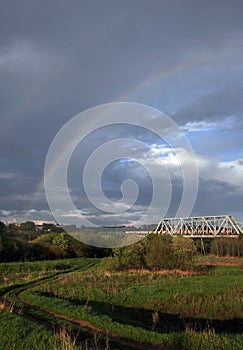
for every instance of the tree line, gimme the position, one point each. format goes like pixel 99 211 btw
pixel 25 243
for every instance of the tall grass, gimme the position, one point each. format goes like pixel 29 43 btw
pixel 16 272
pixel 166 307
pixel 209 296
pixel 149 307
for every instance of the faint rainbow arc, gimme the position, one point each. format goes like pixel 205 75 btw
pixel 154 78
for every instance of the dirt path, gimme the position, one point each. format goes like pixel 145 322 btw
pixel 92 329
pixel 113 338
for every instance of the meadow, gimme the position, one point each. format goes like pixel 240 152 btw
pixel 86 304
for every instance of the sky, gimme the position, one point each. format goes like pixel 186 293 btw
pixel 60 58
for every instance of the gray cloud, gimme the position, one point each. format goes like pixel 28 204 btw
pixel 218 198
pixel 59 58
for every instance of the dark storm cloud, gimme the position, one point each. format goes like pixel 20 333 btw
pixel 222 102
pixel 218 197
pixel 59 58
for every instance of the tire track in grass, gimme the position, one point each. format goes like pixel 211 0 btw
pixel 95 330
pixel 54 321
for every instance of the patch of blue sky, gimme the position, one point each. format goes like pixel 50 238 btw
pixel 214 144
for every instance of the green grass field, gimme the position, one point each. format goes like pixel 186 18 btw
pixel 89 306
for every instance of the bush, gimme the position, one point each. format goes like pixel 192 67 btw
pixel 129 257
pixel 159 252
pixel 156 252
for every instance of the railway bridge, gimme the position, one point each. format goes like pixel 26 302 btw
pixel 200 226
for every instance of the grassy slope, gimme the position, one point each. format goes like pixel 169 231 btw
pixel 17 272
pixel 129 303
pixel 148 307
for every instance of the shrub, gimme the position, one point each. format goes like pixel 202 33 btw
pixel 129 257
pixel 156 252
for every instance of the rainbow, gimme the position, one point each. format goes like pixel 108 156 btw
pixel 127 96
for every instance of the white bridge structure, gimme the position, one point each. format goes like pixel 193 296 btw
pixel 200 226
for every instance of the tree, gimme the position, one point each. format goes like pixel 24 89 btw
pixel 8 249
pixel 12 229
pixel 159 253
pixel 61 240
pixel 184 251
pixel 62 245
pixel 47 227
pixel 27 226
pixel 2 227
pixel 227 246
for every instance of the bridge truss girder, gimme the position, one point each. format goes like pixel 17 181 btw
pixel 200 226
pixel 240 224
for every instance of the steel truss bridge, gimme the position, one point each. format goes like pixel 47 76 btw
pixel 200 226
